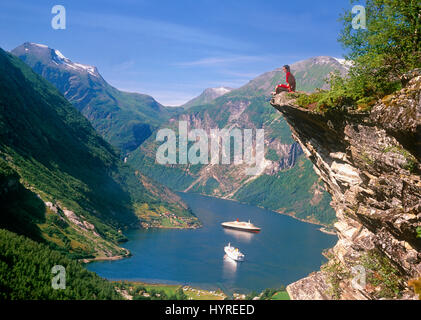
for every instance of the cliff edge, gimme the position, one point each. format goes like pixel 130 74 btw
pixel 370 163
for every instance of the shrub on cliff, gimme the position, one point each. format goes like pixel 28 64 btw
pixel 387 48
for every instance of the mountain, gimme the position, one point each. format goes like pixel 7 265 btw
pixel 310 74
pixel 370 163
pixel 206 97
pixel 61 183
pixel 287 183
pixel 124 119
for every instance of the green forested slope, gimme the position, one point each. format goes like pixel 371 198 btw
pixel 25 273
pixel 58 157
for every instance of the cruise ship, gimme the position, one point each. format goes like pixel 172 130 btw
pixel 234 253
pixel 242 226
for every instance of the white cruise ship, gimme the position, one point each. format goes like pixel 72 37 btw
pixel 234 253
pixel 241 226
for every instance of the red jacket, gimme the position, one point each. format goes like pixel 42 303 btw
pixel 291 82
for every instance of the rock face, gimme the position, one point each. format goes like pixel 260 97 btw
pixel 370 163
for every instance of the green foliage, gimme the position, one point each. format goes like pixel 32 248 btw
pixel 389 47
pixel 391 44
pixel 282 295
pixel 21 210
pixel 272 155
pixel 141 291
pixel 274 294
pixel 382 275
pixel 343 92
pixel 411 163
pixel 335 273
pixel 251 295
pixel 25 273
pixel 418 232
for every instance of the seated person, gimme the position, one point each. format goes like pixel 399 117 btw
pixel 290 87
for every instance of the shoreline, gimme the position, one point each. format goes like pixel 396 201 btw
pixel 218 294
pixel 187 287
pixel 332 233
pixel 324 228
pixel 102 259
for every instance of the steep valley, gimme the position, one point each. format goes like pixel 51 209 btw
pixel 61 183
pixel 287 184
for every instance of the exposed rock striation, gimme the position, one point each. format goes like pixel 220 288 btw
pixel 370 163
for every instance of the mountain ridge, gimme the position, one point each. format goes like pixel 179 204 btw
pixel 124 119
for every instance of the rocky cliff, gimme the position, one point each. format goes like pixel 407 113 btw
pixel 370 163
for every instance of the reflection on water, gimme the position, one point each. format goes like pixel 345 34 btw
pixel 240 235
pixel 230 267
pixel 286 250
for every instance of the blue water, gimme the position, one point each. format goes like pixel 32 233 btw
pixel 285 251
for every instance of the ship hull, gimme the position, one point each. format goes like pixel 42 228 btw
pixel 251 230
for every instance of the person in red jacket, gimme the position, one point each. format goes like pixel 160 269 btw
pixel 290 87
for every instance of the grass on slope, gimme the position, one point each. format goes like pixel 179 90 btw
pixel 25 273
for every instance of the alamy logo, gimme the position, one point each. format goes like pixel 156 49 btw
pixel 359 282
pixel 360 19
pixel 219 145
pixel 59 20
pixel 59 280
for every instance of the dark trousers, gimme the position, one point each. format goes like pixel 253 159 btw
pixel 281 88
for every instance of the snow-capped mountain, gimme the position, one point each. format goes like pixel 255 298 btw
pixel 59 58
pixel 51 56
pixel 106 107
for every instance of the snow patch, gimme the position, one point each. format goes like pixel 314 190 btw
pixel 323 60
pixel 87 68
pixel 73 65
pixel 346 63
pixel 60 55
pixel 39 45
pixel 221 90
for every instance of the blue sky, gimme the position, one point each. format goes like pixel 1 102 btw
pixel 173 50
